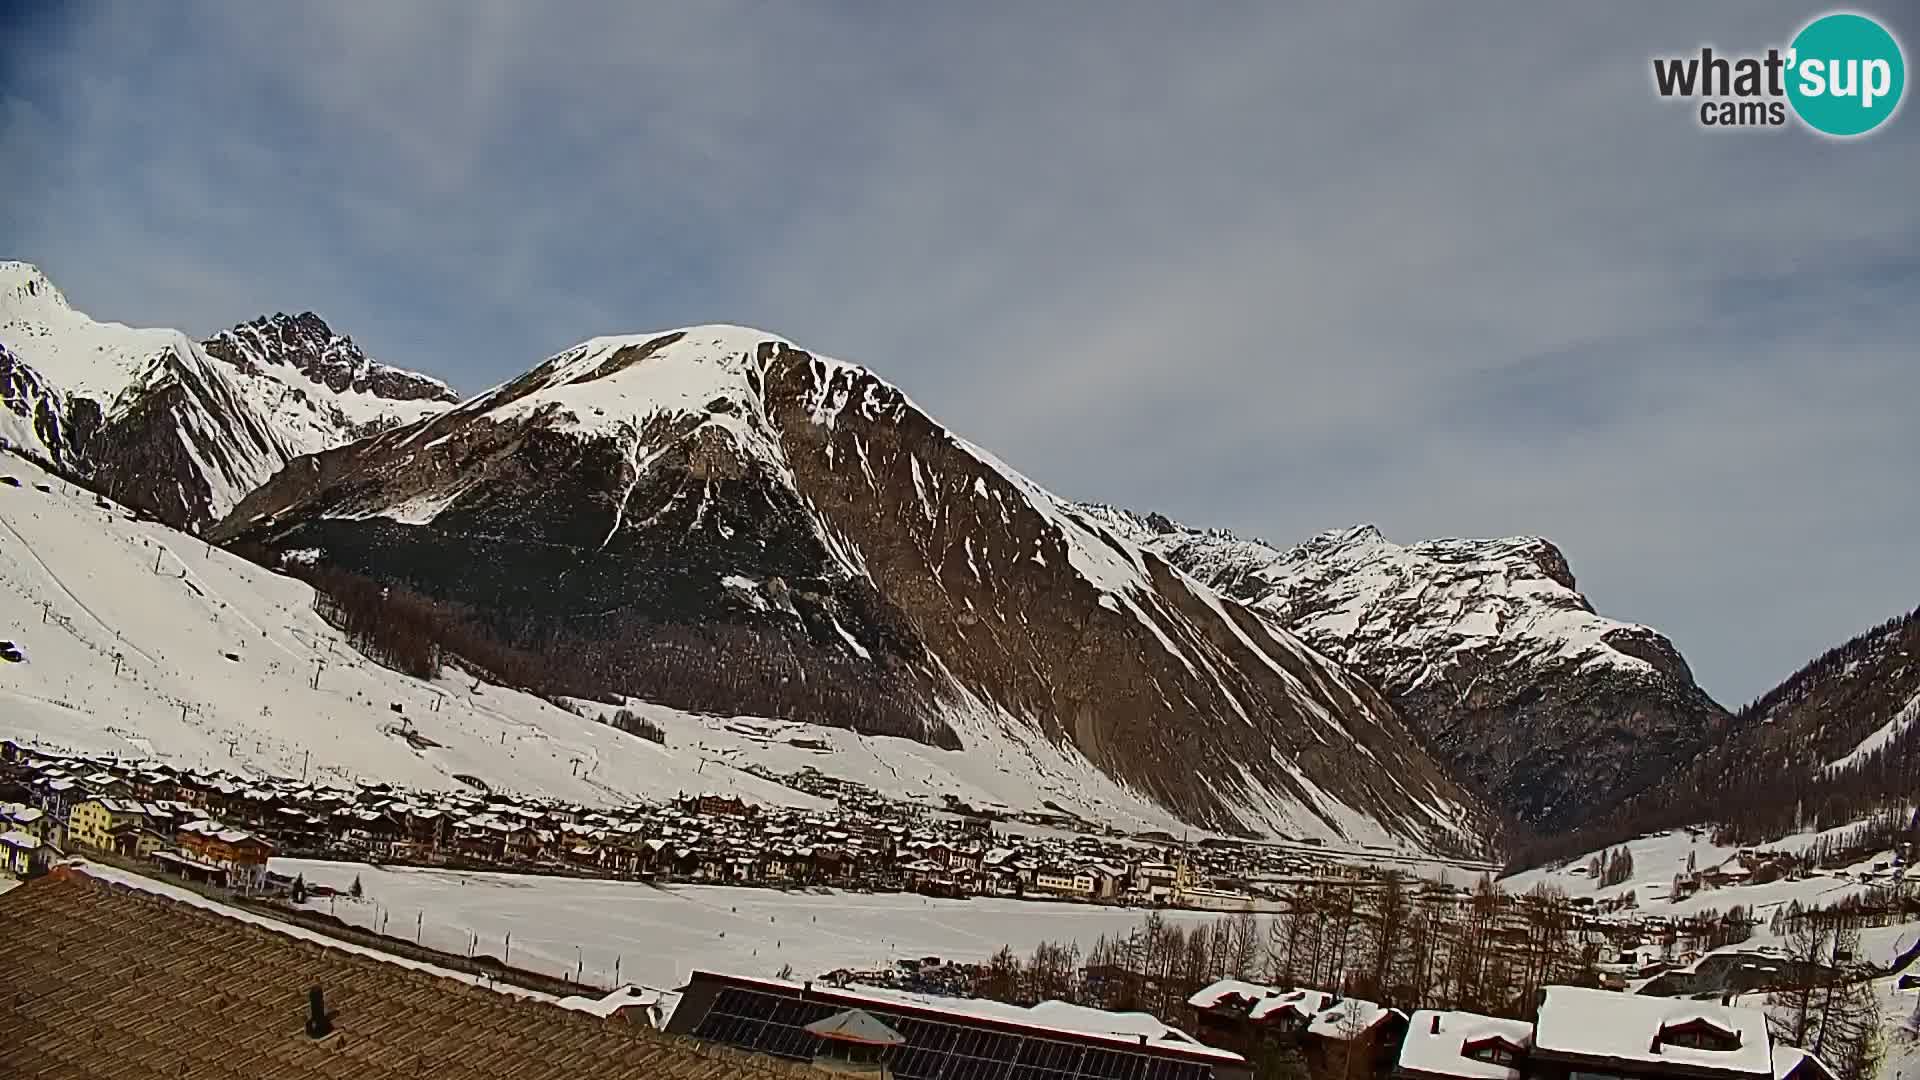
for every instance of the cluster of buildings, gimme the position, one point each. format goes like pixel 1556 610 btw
pixel 1576 1034
pixel 151 810
pixel 59 814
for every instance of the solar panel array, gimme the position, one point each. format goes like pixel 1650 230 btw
pixel 775 1024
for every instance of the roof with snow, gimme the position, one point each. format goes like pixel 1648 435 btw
pixel 625 997
pixel 1216 994
pixel 1436 1044
pixel 1790 1059
pixel 1348 1017
pixel 1604 1026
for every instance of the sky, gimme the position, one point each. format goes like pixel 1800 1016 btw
pixel 1274 269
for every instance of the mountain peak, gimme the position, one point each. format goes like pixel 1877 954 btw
pixel 1476 640
pixel 305 343
pixel 22 283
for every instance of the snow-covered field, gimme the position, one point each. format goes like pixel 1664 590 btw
pixel 659 935
pixel 144 642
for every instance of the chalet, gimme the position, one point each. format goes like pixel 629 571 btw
pixel 241 854
pixel 1345 1037
pixel 710 804
pixel 1448 1045
pixel 1352 1038
pixel 1596 1033
pixel 19 817
pixel 57 794
pixel 22 854
pixel 1584 1034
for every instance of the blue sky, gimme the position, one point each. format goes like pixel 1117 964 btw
pixel 1276 270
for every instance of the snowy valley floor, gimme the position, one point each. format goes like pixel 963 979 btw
pixel 660 934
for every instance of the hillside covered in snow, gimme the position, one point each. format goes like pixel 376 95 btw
pixel 141 641
pixel 1486 646
pixel 717 520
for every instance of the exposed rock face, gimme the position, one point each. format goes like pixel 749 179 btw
pixel 721 484
pixel 1549 710
pixel 360 395
pixel 180 431
pixel 34 410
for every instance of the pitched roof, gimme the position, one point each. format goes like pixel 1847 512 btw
pixel 856 1026
pixel 102 982
pixel 1437 1041
pixel 1601 1025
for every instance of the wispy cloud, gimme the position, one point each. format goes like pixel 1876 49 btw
pixel 1273 269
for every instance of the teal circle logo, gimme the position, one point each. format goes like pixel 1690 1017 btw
pixel 1846 74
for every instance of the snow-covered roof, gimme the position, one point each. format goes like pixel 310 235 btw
pixel 1350 1015
pixel 1304 1002
pixel 613 1001
pixel 1438 1052
pixel 1610 1026
pixel 1788 1058
pixel 1209 996
pixel 17 839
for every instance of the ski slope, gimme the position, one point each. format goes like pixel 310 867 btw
pixel 142 641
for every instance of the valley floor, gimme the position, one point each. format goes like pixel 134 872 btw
pixel 658 935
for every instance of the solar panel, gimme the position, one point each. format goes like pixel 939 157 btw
pixel 775 1023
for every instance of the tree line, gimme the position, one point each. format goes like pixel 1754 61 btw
pixel 1411 946
pixel 1392 941
pixel 719 668
pixel 1831 1009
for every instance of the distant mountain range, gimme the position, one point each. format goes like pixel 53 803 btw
pixel 719 520
pixel 1485 646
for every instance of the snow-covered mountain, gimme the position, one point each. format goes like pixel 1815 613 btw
pixel 309 376
pixel 714 518
pixel 1486 645
pixel 139 640
pixel 175 429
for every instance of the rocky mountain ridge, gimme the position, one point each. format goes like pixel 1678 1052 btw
pixel 1486 646
pixel 174 428
pixel 717 519
pixel 358 395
